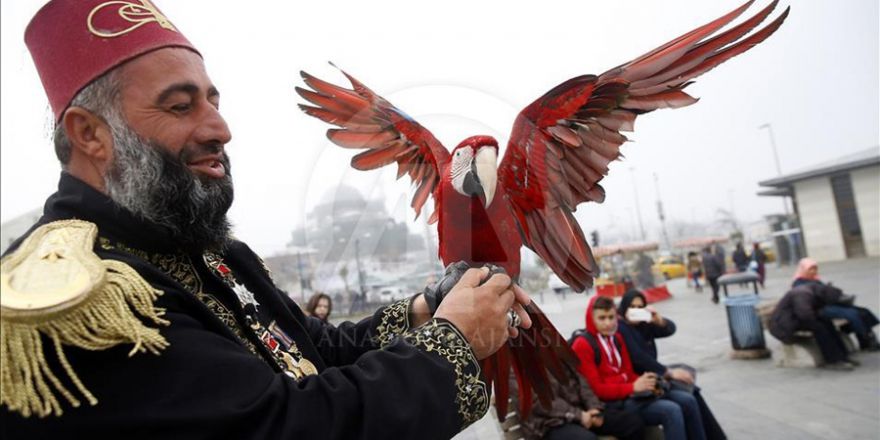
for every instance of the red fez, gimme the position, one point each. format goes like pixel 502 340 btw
pixel 73 42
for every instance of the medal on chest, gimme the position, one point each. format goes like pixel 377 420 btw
pixel 224 273
pixel 280 345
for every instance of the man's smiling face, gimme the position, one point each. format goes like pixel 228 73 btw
pixel 168 100
pixel 168 163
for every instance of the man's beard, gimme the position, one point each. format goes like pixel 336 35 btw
pixel 146 179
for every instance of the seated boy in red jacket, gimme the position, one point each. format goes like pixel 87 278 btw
pixel 612 378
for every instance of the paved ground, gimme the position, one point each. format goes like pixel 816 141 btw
pixel 754 399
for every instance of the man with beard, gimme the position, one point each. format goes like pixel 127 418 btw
pixel 130 312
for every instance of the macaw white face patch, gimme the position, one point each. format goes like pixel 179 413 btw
pixel 461 165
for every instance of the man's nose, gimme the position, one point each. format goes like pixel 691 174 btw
pixel 212 129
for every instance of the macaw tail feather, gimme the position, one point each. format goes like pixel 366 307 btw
pixel 533 354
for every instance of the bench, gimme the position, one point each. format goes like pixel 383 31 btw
pixel 803 352
pixel 512 429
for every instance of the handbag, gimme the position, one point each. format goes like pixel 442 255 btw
pixel 683 386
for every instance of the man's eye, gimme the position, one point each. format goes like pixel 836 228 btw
pixel 180 107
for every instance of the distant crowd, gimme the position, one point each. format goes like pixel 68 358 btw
pixel 711 264
pixel 622 390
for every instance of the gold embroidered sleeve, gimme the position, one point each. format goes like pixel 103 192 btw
pixel 393 321
pixel 441 337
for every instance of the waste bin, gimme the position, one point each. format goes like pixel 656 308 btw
pixel 746 331
pixel 746 277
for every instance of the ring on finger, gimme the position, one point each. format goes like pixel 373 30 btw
pixel 513 319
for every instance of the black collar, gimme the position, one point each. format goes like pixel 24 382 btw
pixel 75 199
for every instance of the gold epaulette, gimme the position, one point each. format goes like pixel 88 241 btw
pixel 56 289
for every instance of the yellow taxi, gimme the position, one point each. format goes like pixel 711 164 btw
pixel 670 267
pixel 769 251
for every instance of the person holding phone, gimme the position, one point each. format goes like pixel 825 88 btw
pixel 640 324
pixel 612 377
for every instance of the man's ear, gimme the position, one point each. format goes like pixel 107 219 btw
pixel 88 135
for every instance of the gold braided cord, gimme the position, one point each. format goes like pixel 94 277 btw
pixel 108 316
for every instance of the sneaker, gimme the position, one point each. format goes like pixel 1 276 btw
pixel 840 366
pixel 869 343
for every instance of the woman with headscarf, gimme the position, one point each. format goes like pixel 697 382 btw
pixel 798 310
pixel 639 330
pixel 834 304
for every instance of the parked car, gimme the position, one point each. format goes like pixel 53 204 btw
pixel 556 285
pixel 770 251
pixel 670 267
pixel 389 294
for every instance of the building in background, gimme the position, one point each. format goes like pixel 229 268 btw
pixel 11 230
pixel 344 216
pixel 352 246
pixel 837 204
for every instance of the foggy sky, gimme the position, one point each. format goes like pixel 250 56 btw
pixel 464 68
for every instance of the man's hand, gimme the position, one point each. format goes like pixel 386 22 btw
pixel 681 375
pixel 645 382
pixel 480 311
pixel 420 312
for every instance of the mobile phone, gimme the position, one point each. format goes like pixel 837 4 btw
pixel 638 315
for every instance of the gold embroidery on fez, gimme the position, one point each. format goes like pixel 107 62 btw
pixel 137 14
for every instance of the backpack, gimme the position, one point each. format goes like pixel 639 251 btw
pixel 594 344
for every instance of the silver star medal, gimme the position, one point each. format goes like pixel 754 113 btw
pixel 245 296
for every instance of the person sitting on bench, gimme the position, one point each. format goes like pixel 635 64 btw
pixel 576 414
pixel 836 305
pixel 640 324
pixel 799 310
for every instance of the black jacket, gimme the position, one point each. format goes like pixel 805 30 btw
pixel 739 257
pixel 221 376
pixel 713 264
pixel 639 341
pixel 797 309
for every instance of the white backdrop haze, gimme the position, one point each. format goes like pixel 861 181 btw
pixel 464 68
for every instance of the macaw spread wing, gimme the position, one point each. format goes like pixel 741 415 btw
pixel 368 121
pixel 561 144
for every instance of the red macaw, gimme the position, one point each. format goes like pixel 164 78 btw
pixel 559 150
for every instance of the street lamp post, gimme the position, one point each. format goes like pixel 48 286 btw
pixel 638 209
pixel 361 277
pixel 302 281
pixel 776 159
pixel 660 213
pixel 786 224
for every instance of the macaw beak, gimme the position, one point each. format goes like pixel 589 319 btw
pixel 487 172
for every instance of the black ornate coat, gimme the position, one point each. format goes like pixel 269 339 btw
pixel 252 368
